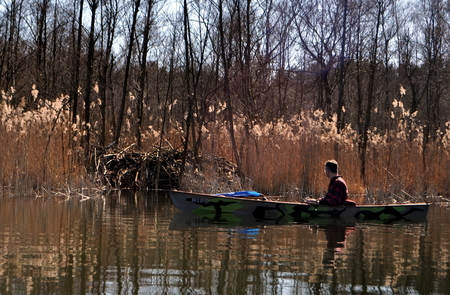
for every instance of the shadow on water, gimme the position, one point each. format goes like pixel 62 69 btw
pixel 138 243
pixel 334 230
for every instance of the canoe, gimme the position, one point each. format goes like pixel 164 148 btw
pixel 273 208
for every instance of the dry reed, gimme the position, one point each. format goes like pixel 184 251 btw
pixel 40 152
pixel 36 155
pixel 287 157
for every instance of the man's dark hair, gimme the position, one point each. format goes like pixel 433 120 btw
pixel 332 165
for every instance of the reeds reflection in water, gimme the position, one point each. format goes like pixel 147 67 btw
pixel 137 243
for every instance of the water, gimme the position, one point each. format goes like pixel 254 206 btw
pixel 140 244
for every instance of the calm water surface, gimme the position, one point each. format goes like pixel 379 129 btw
pixel 138 243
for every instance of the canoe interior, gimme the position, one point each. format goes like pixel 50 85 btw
pixel 269 209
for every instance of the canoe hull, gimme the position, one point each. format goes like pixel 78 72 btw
pixel 212 204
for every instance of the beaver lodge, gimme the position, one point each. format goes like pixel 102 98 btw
pixel 161 169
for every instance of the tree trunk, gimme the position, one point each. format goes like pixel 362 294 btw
pixel 105 66
pixel 370 97
pixel 76 63
pixel 41 48
pixel 126 78
pixel 143 73
pixel 88 88
pixel 226 88
pixel 340 120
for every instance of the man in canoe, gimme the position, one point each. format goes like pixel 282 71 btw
pixel 337 189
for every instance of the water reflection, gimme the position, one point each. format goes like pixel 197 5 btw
pixel 137 243
pixel 335 233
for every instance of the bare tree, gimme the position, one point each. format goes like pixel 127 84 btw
pixel 93 5
pixel 195 39
pixel 126 80
pixel 41 45
pixel 77 32
pixel 110 15
pixel 379 9
pixel 433 57
pixel 11 61
pixel 340 105
pixel 141 92
pixel 410 70
pixel 434 33
pixel 226 55
pixel 390 26
pixel 317 26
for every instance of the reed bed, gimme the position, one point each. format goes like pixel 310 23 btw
pixel 287 157
pixel 36 153
pixel 40 152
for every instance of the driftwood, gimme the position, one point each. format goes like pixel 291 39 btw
pixel 158 169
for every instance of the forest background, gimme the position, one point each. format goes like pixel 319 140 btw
pixel 276 86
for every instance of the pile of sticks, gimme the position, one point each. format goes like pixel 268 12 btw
pixel 140 170
pixel 158 169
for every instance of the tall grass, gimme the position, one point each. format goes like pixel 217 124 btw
pixel 36 154
pixel 288 156
pixel 40 152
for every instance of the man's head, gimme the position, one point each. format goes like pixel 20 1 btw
pixel 331 166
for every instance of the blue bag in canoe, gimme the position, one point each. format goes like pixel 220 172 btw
pixel 241 194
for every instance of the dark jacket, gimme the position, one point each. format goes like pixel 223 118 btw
pixel 337 192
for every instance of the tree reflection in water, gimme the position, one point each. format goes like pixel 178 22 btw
pixel 137 243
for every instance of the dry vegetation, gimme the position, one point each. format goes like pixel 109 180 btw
pixel 287 157
pixel 41 153
pixel 36 153
pixel 276 87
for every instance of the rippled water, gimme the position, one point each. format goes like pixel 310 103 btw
pixel 138 243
